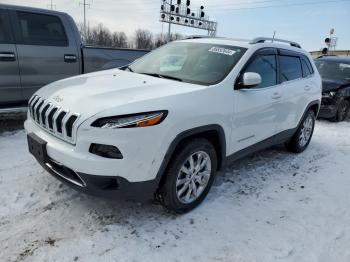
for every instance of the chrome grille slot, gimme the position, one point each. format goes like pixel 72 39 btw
pixel 56 120
pixel 37 111
pixel 43 114
pixel 52 113
pixel 35 101
pixel 59 120
pixel 69 125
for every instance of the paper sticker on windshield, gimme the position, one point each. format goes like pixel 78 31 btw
pixel 221 50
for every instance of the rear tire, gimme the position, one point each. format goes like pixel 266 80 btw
pixel 303 135
pixel 343 111
pixel 187 182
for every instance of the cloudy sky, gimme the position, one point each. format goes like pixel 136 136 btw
pixel 304 21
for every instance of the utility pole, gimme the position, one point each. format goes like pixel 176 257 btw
pixel 84 4
pixel 51 5
pixel 169 29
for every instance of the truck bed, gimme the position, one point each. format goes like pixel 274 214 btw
pixel 102 58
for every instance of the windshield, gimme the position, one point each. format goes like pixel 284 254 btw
pixel 197 63
pixel 334 70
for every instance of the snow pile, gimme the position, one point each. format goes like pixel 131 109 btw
pixel 273 206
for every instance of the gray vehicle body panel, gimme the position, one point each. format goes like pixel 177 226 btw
pixel 35 66
pixel 97 58
pixel 10 85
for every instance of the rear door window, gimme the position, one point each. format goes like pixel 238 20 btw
pixel 5 37
pixel 290 68
pixel 39 29
pixel 307 68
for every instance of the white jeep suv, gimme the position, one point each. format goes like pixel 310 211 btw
pixel 163 126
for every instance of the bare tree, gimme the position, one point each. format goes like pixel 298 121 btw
pixel 176 36
pixel 89 38
pixel 102 36
pixel 159 40
pixel 143 39
pixel 119 39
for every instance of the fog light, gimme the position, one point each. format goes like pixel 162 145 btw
pixel 106 151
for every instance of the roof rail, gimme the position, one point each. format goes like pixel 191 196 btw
pixel 264 39
pixel 198 36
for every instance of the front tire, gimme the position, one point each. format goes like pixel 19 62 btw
pixel 343 111
pixel 303 135
pixel 189 176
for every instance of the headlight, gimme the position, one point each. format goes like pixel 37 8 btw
pixel 332 93
pixel 134 120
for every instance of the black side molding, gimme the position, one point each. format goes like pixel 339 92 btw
pixel 277 139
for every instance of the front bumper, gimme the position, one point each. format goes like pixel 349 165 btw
pixel 327 111
pixel 329 106
pixel 102 186
pixel 106 186
pixel 135 177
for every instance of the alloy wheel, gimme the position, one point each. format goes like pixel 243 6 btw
pixel 193 177
pixel 306 131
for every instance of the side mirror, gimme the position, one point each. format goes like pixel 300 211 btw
pixel 251 79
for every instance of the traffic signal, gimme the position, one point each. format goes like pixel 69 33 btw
pixel 202 14
pixel 188 11
pixel 325 50
pixel 188 2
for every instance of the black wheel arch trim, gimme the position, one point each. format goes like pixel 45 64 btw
pixel 311 104
pixel 186 134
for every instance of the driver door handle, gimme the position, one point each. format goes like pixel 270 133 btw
pixel 69 58
pixel 7 56
pixel 276 95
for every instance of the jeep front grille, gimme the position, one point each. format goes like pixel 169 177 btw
pixel 56 120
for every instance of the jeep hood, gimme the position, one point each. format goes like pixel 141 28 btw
pixel 93 93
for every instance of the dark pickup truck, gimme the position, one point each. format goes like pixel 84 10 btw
pixel 40 46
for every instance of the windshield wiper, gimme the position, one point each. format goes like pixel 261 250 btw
pixel 163 76
pixel 129 68
pixel 126 67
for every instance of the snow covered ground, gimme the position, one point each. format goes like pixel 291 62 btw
pixel 272 206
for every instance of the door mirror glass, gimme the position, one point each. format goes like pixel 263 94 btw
pixel 251 79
